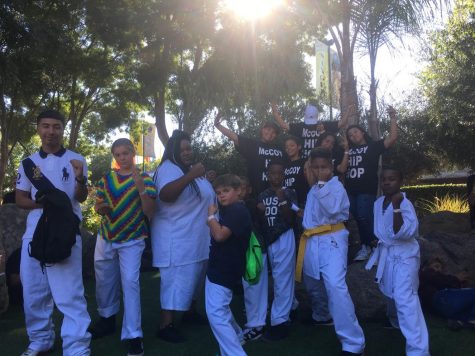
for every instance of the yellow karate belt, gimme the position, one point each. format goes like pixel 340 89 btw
pixel 307 234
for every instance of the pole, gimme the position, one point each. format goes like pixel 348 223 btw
pixel 330 81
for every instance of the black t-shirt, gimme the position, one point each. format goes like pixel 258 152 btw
pixel 258 155
pixel 362 173
pixel 337 158
pixel 274 223
pixel 295 179
pixel 227 259
pixel 309 134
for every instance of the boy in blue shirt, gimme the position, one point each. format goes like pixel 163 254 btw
pixel 230 233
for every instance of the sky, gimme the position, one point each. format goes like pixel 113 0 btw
pixel 396 69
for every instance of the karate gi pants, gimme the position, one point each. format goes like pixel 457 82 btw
pixel 404 279
pixel 118 265
pixel 60 284
pixel 225 329
pixel 255 298
pixel 326 257
pixel 281 255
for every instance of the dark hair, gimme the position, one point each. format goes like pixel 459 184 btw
pixel 50 114
pixel 324 135
pixel 172 153
pixel 366 136
pixel 244 180
pixel 227 180
pixel 125 142
pixel 275 162
pixel 321 152
pixel 273 125
pixel 297 140
pixel 395 169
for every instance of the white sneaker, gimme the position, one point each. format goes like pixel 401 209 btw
pixel 363 253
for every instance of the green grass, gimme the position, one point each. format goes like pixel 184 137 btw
pixel 304 340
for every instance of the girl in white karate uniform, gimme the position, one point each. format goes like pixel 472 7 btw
pixel 397 256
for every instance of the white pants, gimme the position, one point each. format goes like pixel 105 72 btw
pixel 409 312
pixel 281 255
pixel 255 298
pixel 332 250
pixel 318 296
pixel 179 284
pixel 116 265
pixel 225 329
pixel 60 284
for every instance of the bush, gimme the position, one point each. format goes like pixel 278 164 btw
pixel 453 203
pixel 424 195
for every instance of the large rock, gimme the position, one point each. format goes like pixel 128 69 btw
pixel 456 250
pixel 12 227
pixel 444 221
pixel 370 303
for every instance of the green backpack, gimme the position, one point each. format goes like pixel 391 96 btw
pixel 253 260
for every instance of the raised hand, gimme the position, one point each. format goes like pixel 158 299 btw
pixel 77 168
pixel 197 170
pixel 138 179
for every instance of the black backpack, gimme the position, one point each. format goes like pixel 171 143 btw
pixel 56 231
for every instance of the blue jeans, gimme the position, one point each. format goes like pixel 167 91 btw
pixel 456 304
pixel 361 207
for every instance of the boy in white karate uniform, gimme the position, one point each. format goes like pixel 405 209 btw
pixel 227 262
pixel 397 256
pixel 323 249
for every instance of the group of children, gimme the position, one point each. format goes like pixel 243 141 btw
pixel 279 201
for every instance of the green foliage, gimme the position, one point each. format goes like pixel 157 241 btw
pixel 421 194
pixel 448 83
pixel 452 203
pixel 91 220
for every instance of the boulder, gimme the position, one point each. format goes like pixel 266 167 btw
pixel 370 303
pixel 12 227
pixel 444 221
pixel 456 250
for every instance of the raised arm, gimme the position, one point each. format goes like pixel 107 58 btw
pixel 392 138
pixel 224 130
pixel 171 191
pixel 343 166
pixel 283 125
pixel 218 232
pixel 343 123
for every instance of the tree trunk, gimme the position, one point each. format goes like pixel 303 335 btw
pixel 345 46
pixel 159 112
pixel 373 121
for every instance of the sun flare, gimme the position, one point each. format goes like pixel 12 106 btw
pixel 252 9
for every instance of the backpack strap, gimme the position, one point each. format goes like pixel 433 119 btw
pixel 36 177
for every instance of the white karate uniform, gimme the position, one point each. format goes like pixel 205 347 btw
pixel 255 298
pixel 281 255
pixel 326 256
pixel 225 329
pixel 398 261
pixel 117 264
pixel 180 238
pixel 60 283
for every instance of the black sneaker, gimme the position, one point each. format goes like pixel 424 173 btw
pixel 252 334
pixel 135 347
pixel 348 353
pixel 170 334
pixel 328 322
pixel 276 332
pixel 103 327
pixel 193 317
